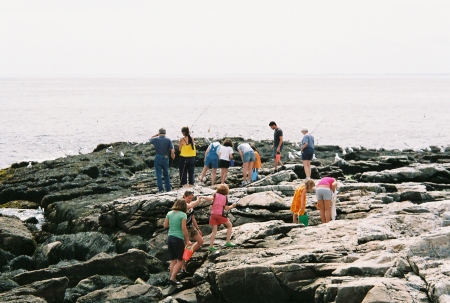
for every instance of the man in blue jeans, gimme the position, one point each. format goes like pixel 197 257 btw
pixel 163 147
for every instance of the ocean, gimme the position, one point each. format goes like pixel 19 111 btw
pixel 48 118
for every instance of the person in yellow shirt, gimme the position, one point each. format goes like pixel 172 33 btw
pixel 187 158
pixel 298 206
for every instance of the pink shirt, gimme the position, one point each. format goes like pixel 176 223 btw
pixel 326 181
pixel 218 204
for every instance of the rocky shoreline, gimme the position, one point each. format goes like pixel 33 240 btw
pixel 103 240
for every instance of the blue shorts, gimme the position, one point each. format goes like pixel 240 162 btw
pixel 274 152
pixel 307 153
pixel 212 162
pixel 249 157
pixel 175 247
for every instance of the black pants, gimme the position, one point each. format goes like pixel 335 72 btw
pixel 187 166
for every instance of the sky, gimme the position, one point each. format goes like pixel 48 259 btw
pixel 195 38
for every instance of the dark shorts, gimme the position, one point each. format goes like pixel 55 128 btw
pixel 176 248
pixel 192 232
pixel 307 153
pixel 224 163
pixel 217 220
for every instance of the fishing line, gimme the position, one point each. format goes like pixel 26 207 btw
pixel 201 114
pixel 318 124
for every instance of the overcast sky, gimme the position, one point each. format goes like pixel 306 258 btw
pixel 145 38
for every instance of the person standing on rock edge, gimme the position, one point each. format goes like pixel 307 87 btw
pixel 277 143
pixel 178 237
pixel 187 158
pixel 217 215
pixel 163 147
pixel 324 194
pixel 307 150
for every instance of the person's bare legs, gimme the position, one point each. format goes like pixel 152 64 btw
pixel 205 169
pixel 213 175
pixel 327 205
pixel 250 170
pixel 229 230
pixel 294 218
pixel 307 168
pixel 223 173
pixel 176 268
pixel 325 210
pixel 198 243
pixel 245 170
pixel 212 237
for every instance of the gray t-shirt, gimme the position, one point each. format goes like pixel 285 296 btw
pixel 308 139
pixel 162 145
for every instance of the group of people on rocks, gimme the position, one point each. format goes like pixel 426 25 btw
pixel 216 156
pixel 181 220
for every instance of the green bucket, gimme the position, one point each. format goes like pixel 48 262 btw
pixel 303 219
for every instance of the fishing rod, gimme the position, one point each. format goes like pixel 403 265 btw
pixel 201 114
pixel 318 124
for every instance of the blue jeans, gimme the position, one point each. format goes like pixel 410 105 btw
pixel 162 166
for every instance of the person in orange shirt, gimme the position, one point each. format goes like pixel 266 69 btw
pixel 257 164
pixel 298 206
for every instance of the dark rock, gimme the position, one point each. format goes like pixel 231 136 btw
pixel 7 285
pixel 133 264
pixel 51 290
pixel 24 262
pixel 80 246
pixel 94 283
pixel 15 237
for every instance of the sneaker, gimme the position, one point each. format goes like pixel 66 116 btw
pixel 244 183
pixel 175 283
pixel 212 248
pixel 182 271
pixel 229 244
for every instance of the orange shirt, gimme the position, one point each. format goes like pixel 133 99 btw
pixel 257 163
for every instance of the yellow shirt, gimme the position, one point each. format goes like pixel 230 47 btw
pixel 297 199
pixel 188 151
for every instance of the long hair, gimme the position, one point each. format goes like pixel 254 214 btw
pixel 185 131
pixel 309 184
pixel 254 148
pixel 180 205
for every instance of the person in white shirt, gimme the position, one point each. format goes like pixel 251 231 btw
pixel 225 155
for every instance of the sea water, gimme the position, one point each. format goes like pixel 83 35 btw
pixel 48 118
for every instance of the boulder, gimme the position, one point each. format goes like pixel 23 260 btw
pixel 94 283
pixel 51 290
pixel 124 294
pixel 138 265
pixel 15 237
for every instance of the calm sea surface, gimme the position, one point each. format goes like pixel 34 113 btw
pixel 49 118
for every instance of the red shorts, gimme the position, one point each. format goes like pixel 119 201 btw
pixel 217 220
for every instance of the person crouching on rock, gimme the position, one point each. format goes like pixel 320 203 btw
pixel 324 194
pixel 176 222
pixel 298 206
pixel 191 224
pixel 217 215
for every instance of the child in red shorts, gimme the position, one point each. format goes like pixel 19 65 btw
pixel 219 204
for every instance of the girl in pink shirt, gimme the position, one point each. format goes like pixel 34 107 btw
pixel 324 194
pixel 219 205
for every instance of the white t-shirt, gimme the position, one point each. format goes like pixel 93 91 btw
pixel 225 152
pixel 245 147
